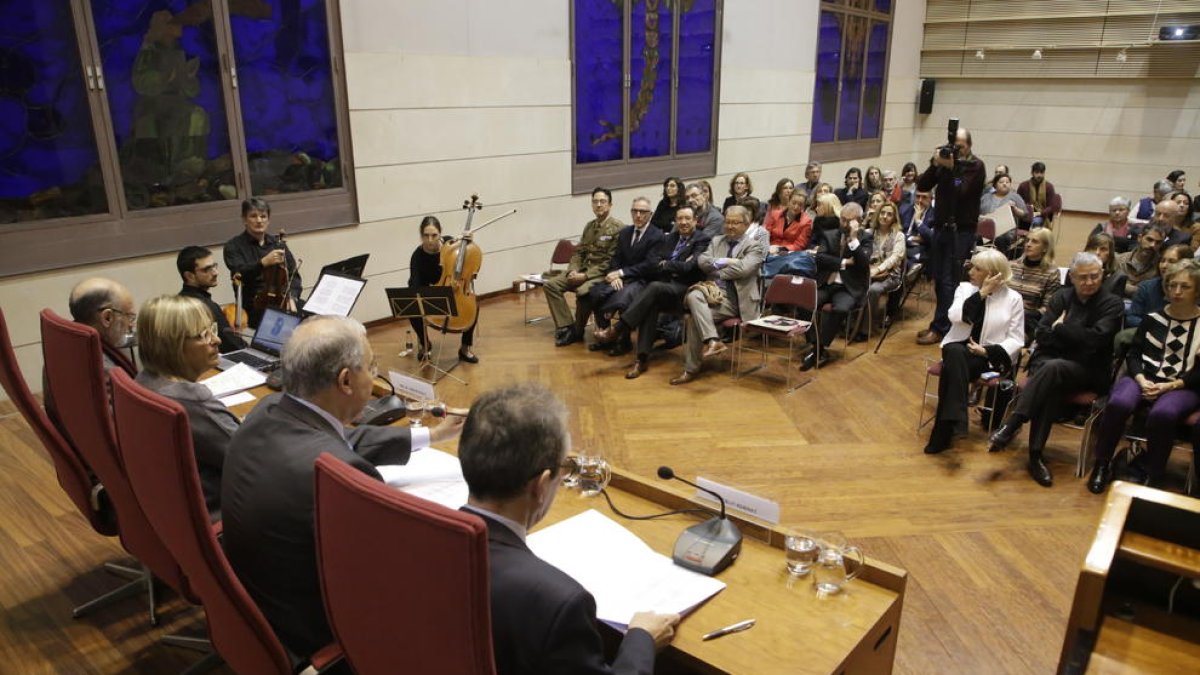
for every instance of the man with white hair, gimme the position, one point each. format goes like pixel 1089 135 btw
pixel 1074 353
pixel 267 482
pixel 844 260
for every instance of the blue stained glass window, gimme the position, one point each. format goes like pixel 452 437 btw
pixel 49 164
pixel 697 51
pixel 164 92
pixel 650 79
pixel 829 58
pixel 852 77
pixel 599 61
pixel 285 83
pixel 874 90
pixel 884 6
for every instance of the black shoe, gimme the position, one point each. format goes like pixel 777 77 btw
pixel 1003 436
pixel 811 361
pixel 598 346
pixel 939 440
pixel 621 348
pixel 467 356
pixel 1039 471
pixel 1100 478
pixel 859 337
pixel 566 336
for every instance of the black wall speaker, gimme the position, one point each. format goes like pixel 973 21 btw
pixel 925 106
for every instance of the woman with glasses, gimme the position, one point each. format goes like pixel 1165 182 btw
pixel 178 342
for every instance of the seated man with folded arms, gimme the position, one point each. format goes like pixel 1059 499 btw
pixel 588 265
pixel 677 268
pixel 1074 354
pixel 543 621
pixel 200 274
pixel 1140 263
pixel 731 265
pixel 267 505
pixel 634 261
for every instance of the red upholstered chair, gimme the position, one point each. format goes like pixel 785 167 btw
pixel 156 444
pixel 986 230
pixel 795 292
pixel 75 375
pixel 73 475
pixel 563 251
pixel 405 581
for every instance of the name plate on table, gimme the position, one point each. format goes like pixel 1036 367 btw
pixel 742 502
pixel 412 387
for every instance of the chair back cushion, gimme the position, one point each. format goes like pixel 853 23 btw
pixel 562 252
pixel 156 442
pixel 986 228
pixel 797 291
pixel 76 377
pixel 73 474
pixel 405 581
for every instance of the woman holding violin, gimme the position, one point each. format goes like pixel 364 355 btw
pixel 425 269
pixel 268 271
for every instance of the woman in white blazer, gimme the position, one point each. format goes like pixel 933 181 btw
pixel 987 331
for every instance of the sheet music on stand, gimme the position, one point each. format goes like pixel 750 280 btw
pixel 334 295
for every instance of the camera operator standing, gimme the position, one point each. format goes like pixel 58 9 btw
pixel 957 178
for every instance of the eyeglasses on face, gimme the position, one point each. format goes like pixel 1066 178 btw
pixel 132 316
pixel 209 269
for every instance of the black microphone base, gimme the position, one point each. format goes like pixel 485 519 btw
pixel 708 547
pixel 383 412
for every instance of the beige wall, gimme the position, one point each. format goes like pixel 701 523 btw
pixel 460 96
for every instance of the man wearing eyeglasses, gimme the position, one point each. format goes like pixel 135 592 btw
pixel 200 273
pixel 636 259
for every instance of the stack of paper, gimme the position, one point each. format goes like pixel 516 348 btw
pixel 238 378
pixel 623 573
pixel 430 474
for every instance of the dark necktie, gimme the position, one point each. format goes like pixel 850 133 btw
pixel 637 234
pixel 679 248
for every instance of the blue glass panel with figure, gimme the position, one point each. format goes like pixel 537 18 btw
pixel 48 156
pixel 164 93
pixel 285 84
pixel 825 94
pixel 650 56
pixel 598 62
pixel 697 52
pixel 852 77
pixel 874 91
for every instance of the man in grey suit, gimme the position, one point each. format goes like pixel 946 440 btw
pixel 732 262
pixel 708 217
pixel 267 483
pixel 543 621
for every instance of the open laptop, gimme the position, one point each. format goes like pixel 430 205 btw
pixel 270 336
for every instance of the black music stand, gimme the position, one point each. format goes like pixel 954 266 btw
pixel 422 303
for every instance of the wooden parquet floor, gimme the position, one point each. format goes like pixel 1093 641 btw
pixel 992 556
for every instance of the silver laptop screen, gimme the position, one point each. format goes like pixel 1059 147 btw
pixel 274 330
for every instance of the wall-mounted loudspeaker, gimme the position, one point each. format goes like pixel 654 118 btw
pixel 925 105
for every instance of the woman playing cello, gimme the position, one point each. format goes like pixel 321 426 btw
pixel 425 269
pixel 268 270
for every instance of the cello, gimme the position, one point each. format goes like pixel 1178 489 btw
pixel 461 260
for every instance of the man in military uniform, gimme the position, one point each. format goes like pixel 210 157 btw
pixel 588 265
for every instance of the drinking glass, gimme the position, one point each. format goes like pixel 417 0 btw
pixel 415 410
pixel 588 473
pixel 802 549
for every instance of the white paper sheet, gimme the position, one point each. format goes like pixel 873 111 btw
pixel 238 378
pixel 334 295
pixel 623 573
pixel 430 474
pixel 236 399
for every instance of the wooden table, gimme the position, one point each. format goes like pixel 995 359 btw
pixel 854 631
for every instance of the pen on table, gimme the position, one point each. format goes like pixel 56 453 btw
pixel 734 628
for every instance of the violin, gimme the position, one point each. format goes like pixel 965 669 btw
pixel 234 314
pixel 461 260
pixel 276 280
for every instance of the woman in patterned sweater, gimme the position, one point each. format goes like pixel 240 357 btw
pixel 1163 373
pixel 1035 277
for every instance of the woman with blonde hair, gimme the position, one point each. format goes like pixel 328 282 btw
pixel 178 342
pixel 1035 277
pixel 887 262
pixel 827 209
pixel 986 333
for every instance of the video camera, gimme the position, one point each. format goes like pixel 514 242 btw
pixel 950 149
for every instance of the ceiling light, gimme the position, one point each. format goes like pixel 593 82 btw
pixel 1037 55
pixel 979 55
pixel 1123 56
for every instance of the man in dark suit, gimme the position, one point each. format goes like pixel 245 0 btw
pixel 844 259
pixel 917 221
pixel 677 269
pixel 267 482
pixel 632 264
pixel 543 621
pixel 200 273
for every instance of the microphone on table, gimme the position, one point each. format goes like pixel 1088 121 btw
pixel 707 547
pixel 383 411
pixel 440 410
